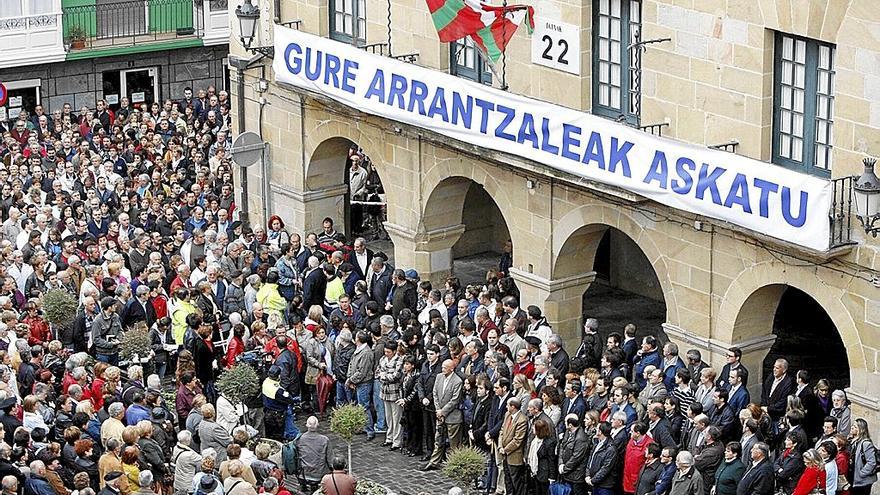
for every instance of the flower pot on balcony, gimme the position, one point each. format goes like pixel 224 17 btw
pixel 77 44
pixel 77 35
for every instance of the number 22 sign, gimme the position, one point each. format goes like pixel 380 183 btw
pixel 557 45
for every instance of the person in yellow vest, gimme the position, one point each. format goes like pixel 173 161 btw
pixel 182 309
pixel 269 296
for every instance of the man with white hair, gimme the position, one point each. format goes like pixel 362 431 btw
pixel 19 270
pixel 187 462
pixel 686 481
pixel 315 454
pixel 37 483
pixel 113 426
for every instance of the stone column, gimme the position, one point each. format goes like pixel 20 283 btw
pixel 714 352
pixel 561 300
pixel 303 211
pixel 429 253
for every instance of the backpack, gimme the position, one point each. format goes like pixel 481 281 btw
pixel 876 456
pixel 290 457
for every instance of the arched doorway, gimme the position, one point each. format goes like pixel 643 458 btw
pixel 461 207
pixel 625 288
pixel 805 334
pixel 329 180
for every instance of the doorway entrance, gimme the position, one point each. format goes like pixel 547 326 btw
pixel 140 85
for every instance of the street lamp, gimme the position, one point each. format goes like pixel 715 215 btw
pixel 867 197
pixel 248 15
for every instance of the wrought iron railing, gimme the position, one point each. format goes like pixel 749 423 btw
pixel 729 146
pixel 126 22
pixel 655 129
pixel 841 211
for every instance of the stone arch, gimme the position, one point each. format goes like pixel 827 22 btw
pixel 750 302
pixel 449 177
pixel 576 240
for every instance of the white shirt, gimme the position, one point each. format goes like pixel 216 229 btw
pixel 362 261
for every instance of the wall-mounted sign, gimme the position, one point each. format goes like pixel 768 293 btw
pixel 15 101
pixel 557 45
pixel 3 117
pixel 138 97
pixel 14 112
pixel 112 99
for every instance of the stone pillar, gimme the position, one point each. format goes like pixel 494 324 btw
pixel 303 211
pixel 714 352
pixel 560 299
pixel 429 253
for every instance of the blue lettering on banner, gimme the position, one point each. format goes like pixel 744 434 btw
pixel 509 113
pixel 683 167
pixel 527 131
pixel 595 152
pixel 681 176
pixel 766 188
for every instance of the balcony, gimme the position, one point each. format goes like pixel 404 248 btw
pixel 124 23
pixel 30 33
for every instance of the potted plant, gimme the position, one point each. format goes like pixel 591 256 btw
pixel 464 465
pixel 239 384
pixel 77 35
pixel 347 420
pixel 135 344
pixel 59 309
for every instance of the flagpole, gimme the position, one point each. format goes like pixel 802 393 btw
pixel 504 53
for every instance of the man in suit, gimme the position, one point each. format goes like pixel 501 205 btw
pixel 602 463
pixel 218 286
pixel 541 370
pixel 734 357
pixel 362 258
pixel 559 359
pixel 725 417
pixel 620 402
pixel 777 388
pixel 447 397
pixel 574 447
pixel 758 478
pixel 379 281
pixel 138 309
pixel 512 310
pixel 314 285
pixel 739 394
pixel 711 456
pixel 658 426
pixel 573 403
pixel 651 470
pixel 655 390
pixel 511 444
pixel 497 410
pixel 630 347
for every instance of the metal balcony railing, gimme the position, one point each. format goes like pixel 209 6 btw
pixel 841 211
pixel 655 129
pixel 128 22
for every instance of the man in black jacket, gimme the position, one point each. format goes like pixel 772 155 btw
pixel 574 447
pixel 430 369
pixel 403 294
pixel 651 470
pixel 497 409
pixel 602 463
pixel 758 479
pixel 314 283
pixel 777 387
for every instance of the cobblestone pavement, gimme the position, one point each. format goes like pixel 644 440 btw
pixel 394 470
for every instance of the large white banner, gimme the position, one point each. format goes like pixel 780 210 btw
pixel 758 196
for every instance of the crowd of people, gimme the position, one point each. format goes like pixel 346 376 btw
pixel 131 211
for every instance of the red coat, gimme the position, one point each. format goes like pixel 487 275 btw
pixel 39 330
pixel 527 369
pixel 236 347
pixel 272 346
pixel 812 478
pixel 633 460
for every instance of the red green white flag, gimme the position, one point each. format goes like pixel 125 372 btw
pixel 491 27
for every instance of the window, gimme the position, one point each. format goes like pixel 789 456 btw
pixel 803 104
pixel 616 66
pixel 468 62
pixel 17 8
pixel 348 20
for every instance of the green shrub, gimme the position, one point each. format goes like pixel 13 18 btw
pixel 347 420
pixel 464 465
pixel 238 383
pixel 59 307
pixel 135 342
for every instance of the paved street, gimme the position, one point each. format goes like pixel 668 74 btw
pixel 394 470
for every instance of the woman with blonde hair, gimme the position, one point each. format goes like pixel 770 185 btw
pixel 813 478
pixel 524 390
pixel 863 452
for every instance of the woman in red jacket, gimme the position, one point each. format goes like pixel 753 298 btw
pixel 236 345
pixel 813 477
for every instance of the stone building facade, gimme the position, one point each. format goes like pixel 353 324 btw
pixel 717 80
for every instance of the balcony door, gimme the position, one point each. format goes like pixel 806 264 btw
pixel 140 85
pixel 118 18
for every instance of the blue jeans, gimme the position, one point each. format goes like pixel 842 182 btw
pixel 344 395
pixel 363 398
pixel 290 429
pixel 380 408
pixel 602 491
pixel 111 359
